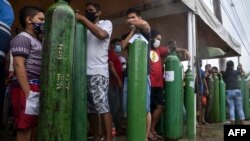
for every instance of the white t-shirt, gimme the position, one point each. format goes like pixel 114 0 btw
pixel 123 61
pixel 97 50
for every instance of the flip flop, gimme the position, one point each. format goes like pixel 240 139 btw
pixel 159 137
pixel 152 138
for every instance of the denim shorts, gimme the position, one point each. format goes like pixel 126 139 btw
pixel 234 100
pixel 125 96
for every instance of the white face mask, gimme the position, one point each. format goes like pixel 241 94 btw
pixel 157 43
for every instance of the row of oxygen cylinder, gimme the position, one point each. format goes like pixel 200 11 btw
pixel 63 103
pixel 244 87
pixel 216 101
pixel 217 107
pixel 179 115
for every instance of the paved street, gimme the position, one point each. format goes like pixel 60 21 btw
pixel 211 132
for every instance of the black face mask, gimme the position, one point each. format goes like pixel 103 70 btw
pixel 39 28
pixel 91 16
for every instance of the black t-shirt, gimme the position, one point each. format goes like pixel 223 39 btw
pixel 231 79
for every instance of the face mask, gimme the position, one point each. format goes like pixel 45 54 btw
pixel 118 48
pixel 131 26
pixel 91 16
pixel 39 28
pixel 156 43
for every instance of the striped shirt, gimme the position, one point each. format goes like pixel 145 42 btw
pixel 31 48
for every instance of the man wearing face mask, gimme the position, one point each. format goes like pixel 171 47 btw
pixel 138 26
pixel 115 83
pixel 98 37
pixel 26 49
pixel 157 52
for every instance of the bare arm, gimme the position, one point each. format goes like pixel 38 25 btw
pixel 184 51
pixel 242 72
pixel 125 42
pixel 138 24
pixel 97 31
pixel 141 24
pixel 206 86
pixel 19 67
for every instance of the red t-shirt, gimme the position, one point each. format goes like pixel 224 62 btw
pixel 113 57
pixel 156 68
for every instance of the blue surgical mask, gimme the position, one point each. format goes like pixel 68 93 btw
pixel 118 48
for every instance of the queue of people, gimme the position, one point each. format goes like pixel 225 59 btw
pixel 106 72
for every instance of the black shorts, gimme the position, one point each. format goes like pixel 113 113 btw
pixel 157 97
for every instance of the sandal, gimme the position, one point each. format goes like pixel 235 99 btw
pixel 204 123
pixel 153 138
pixel 159 136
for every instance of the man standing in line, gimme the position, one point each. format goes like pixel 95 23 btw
pixel 98 37
pixel 26 49
pixel 138 25
pixel 233 92
pixel 115 83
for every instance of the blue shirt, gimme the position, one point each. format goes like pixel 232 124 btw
pixel 6 16
pixel 201 83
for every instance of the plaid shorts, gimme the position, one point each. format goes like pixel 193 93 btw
pixel 97 87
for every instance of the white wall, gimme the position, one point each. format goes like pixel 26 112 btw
pixel 244 59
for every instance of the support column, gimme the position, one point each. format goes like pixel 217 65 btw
pixel 191 20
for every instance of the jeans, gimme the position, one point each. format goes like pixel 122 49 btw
pixel 234 100
pixel 125 91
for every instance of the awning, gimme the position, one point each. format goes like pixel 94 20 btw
pixel 170 18
pixel 215 26
pixel 167 16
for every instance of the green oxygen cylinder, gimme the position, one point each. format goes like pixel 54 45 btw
pixel 216 99
pixel 56 75
pixel 173 115
pixel 210 108
pixel 189 104
pixel 242 89
pixel 246 100
pixel 79 107
pixel 137 89
pixel 237 118
pixel 222 87
pixel 181 86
